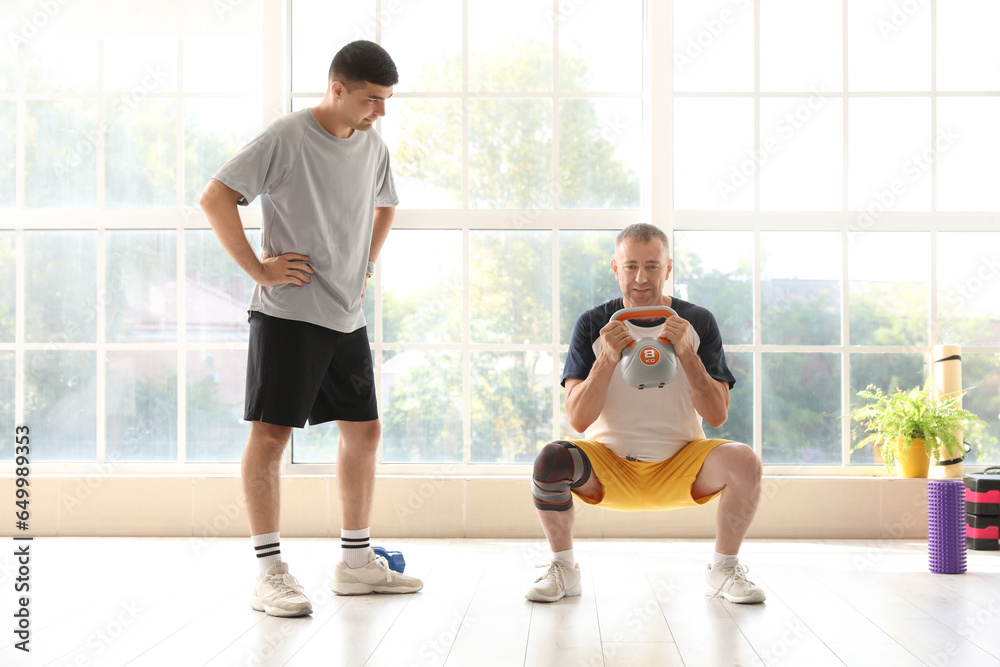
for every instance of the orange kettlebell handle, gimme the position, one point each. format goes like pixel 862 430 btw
pixel 636 313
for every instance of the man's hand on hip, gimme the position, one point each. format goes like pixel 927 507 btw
pixel 288 269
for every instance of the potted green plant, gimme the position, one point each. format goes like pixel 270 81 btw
pixel 908 426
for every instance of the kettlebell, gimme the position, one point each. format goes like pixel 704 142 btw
pixel 647 362
pixel 394 559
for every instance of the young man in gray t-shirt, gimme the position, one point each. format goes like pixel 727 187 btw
pixel 327 204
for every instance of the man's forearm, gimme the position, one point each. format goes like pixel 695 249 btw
pixel 384 215
pixel 224 216
pixel 585 400
pixel 709 396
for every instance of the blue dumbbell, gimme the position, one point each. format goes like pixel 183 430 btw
pixel 394 558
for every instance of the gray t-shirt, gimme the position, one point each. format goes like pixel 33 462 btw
pixel 318 196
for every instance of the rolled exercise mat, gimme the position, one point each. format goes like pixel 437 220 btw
pixel 946 526
pixel 948 380
pixel 982 533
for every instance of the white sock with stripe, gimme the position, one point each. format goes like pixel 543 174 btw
pixel 268 550
pixel 355 547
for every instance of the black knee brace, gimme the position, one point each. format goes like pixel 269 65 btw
pixel 559 467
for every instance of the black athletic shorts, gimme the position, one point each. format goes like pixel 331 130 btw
pixel 298 371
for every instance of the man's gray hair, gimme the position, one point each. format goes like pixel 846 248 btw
pixel 642 232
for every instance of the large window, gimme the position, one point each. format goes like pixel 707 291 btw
pixel 825 170
pixel 831 168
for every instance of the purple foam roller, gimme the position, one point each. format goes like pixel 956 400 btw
pixel 946 526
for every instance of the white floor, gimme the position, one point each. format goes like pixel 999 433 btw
pixel 152 602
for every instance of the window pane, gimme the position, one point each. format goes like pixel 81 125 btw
pixel 8 71
pixel 7 404
pixel 421 406
pixel 319 28
pixel 600 46
pixel 223 64
pixel 216 380
pixel 888 372
pixel 141 150
pixel 890 48
pixel 316 444
pixel 8 153
pixel 60 154
pixel 511 285
pixel 510 154
pixel 585 276
pixel 801 156
pixel 428 65
pixel 510 46
pixel 8 268
pixel 801 45
pixel 600 141
pixel 147 63
pixel 967 56
pixel 141 285
pixel 566 431
pixel 511 405
pixel 60 306
pixel 982 373
pixel 715 270
pixel 801 409
pixel 214 131
pixel 59 64
pixel 712 168
pixel 968 288
pixel 800 288
pixel 739 425
pixel 889 159
pixel 218 291
pixel 889 288
pixel 60 401
pixel 141 406
pixel 421 300
pixel 968 142
pixel 714 45
pixel 425 141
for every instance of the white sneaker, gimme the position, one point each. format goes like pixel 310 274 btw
pixel 280 594
pixel 375 577
pixel 561 580
pixel 731 583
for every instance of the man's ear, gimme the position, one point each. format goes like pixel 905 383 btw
pixel 338 89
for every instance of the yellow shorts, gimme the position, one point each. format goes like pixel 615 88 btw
pixel 638 486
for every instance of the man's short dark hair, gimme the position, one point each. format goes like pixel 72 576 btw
pixel 363 61
pixel 642 232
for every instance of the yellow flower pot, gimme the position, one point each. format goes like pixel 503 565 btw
pixel 913 462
